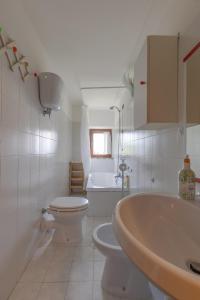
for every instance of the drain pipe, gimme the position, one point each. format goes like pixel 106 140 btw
pixel 47 228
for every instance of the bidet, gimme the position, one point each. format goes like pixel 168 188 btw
pixel 120 277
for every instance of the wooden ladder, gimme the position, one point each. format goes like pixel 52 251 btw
pixel 76 178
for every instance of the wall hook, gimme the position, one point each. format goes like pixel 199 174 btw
pixel 8 47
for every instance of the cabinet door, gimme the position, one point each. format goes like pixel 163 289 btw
pixel 193 89
pixel 140 89
pixel 156 83
pixel 162 79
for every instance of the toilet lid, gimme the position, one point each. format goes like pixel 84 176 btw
pixel 69 203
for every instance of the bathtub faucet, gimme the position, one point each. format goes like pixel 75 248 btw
pixel 123 167
pixel 117 177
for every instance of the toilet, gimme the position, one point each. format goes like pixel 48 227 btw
pixel 120 276
pixel 68 213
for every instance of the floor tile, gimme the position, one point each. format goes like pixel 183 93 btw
pixel 65 272
pixel 81 271
pixel 64 254
pixel 89 226
pixel 34 272
pixel 43 257
pixel 36 269
pixel 80 291
pixel 101 220
pixel 84 225
pixel 98 256
pixel 89 223
pixel 84 253
pixel 58 272
pixel 25 291
pixel 52 291
pixel 98 270
pixel 100 294
pixel 87 241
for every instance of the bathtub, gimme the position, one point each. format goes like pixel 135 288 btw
pixel 103 193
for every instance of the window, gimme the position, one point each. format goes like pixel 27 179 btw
pixel 101 143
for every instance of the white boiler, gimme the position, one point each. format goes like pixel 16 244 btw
pixel 51 88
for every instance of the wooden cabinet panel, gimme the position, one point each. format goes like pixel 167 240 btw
pixel 156 83
pixel 193 89
pixel 140 89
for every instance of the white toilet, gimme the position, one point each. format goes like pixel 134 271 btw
pixel 68 213
pixel 120 277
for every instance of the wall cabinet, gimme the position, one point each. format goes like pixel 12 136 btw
pixel 156 83
pixel 193 89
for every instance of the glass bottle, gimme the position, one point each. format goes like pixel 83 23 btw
pixel 187 181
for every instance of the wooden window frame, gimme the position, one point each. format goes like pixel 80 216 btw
pixel 92 131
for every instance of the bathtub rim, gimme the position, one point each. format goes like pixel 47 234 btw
pixel 96 188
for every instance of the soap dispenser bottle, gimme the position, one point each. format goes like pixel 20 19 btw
pixel 187 181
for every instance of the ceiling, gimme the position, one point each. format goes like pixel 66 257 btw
pixel 104 98
pixel 92 43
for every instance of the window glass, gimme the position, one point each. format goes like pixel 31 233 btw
pixel 101 142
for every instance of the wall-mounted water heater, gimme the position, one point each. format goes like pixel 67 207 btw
pixel 51 88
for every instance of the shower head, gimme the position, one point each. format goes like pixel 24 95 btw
pixel 112 107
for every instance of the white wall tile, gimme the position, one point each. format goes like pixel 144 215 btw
pixel 1 63
pixel 8 224
pixel 154 156
pixel 76 143
pixel 34 156
pixel 102 165
pixel 9 141
pixel 24 143
pixel 24 106
pixel 10 97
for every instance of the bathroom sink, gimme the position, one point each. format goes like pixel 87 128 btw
pixel 161 235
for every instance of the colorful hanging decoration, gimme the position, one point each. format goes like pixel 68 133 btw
pixel 15 59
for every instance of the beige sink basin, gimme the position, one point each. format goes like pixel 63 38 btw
pixel 161 234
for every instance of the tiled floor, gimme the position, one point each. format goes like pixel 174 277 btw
pixel 65 272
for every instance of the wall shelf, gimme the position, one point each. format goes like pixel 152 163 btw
pixel 76 178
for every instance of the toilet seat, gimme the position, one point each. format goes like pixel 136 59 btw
pixel 68 204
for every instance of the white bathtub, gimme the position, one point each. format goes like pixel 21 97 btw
pixel 103 193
